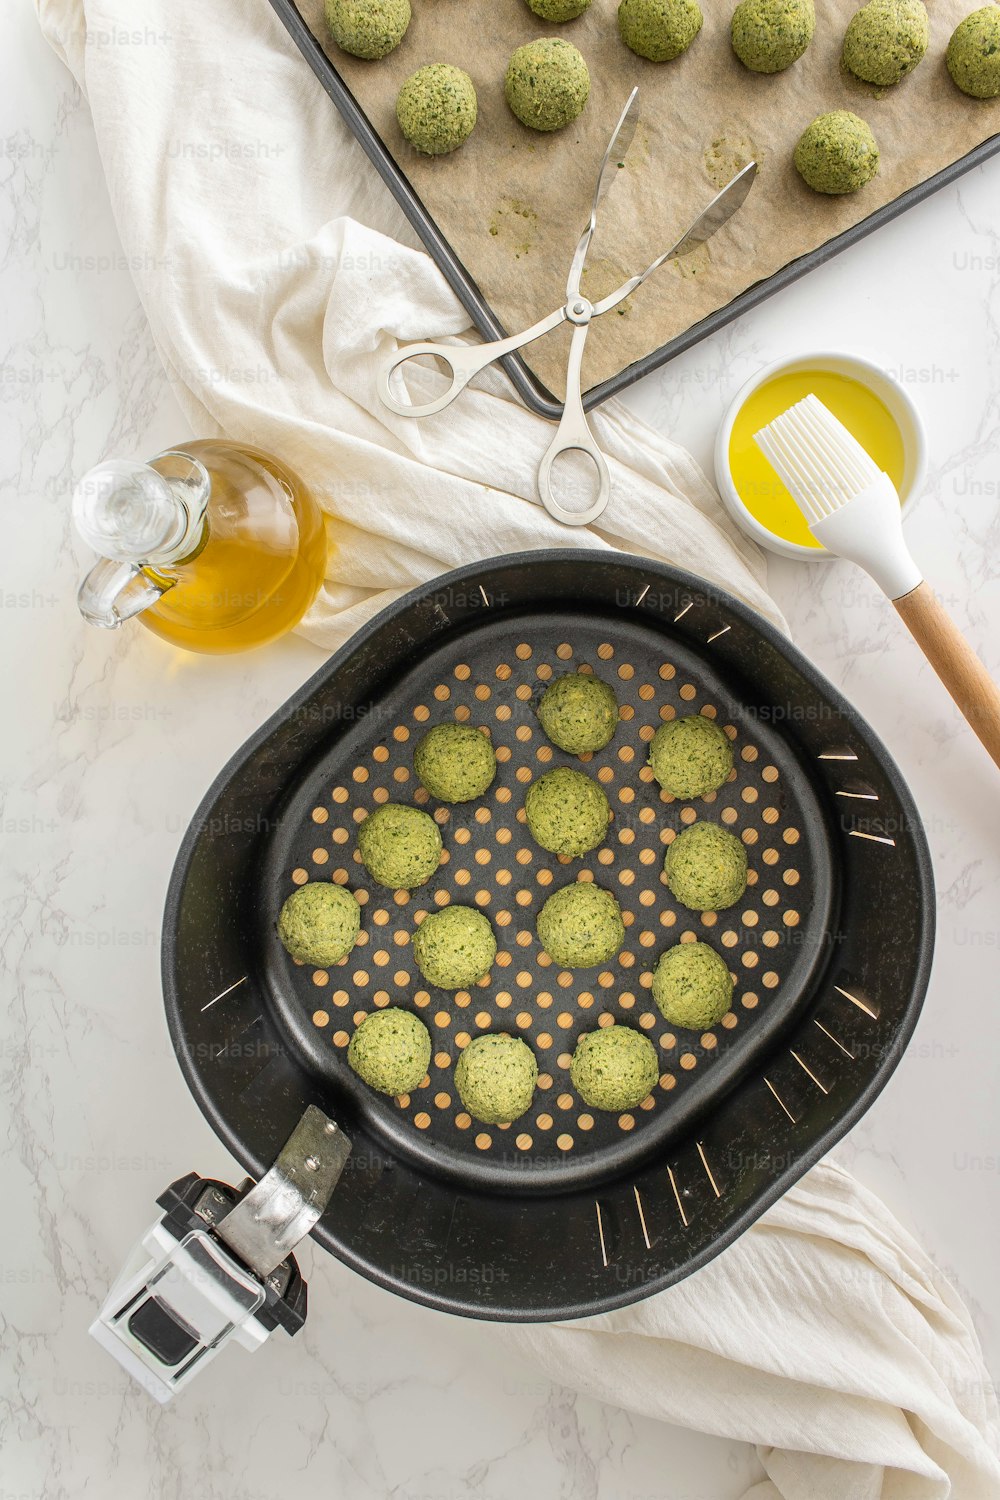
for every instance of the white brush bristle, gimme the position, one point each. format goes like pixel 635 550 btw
pixel 820 463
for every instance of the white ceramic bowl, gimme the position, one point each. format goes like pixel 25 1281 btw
pixel 882 384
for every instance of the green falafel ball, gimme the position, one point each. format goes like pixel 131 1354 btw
pixel 706 867
pixel 367 28
pixel 547 83
pixel 885 40
pixel 769 35
pixel 614 1068
pixel 579 713
pixel 391 1051
pixel 566 812
pixel 437 109
pixel 319 923
pixel 454 947
pixel 692 986
pixel 495 1078
pixel 837 153
pixel 659 30
pixel 399 846
pixel 558 10
pixel 691 756
pixel 973 55
pixel 581 925
pixel 455 762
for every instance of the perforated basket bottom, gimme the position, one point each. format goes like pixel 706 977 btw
pixel 771 939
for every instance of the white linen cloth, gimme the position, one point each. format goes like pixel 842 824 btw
pixel 826 1336
pixel 276 272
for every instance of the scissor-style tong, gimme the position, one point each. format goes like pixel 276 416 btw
pixel 573 433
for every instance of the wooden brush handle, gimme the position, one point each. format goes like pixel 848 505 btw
pixel 955 662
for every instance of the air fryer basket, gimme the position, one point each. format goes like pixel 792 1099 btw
pixel 567 1211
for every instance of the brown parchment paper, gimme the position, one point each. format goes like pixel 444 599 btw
pixel 512 202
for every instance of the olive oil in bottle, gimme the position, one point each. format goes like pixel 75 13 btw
pixel 214 546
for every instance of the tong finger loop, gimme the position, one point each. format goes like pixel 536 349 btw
pixel 460 366
pixel 561 445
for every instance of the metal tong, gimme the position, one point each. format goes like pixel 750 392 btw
pixel 573 433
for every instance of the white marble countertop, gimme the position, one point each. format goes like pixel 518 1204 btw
pixel 110 742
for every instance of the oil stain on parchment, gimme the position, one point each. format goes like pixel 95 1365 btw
pixel 515 225
pixel 637 156
pixel 602 276
pixel 692 267
pixel 728 152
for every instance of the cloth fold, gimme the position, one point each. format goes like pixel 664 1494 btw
pixel 276 272
pixel 827 1333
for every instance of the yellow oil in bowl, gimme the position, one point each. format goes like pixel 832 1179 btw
pixel 853 403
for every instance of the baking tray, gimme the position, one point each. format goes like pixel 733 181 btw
pixel 532 391
pixel 567 1211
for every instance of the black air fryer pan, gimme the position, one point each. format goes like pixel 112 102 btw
pixel 567 1211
